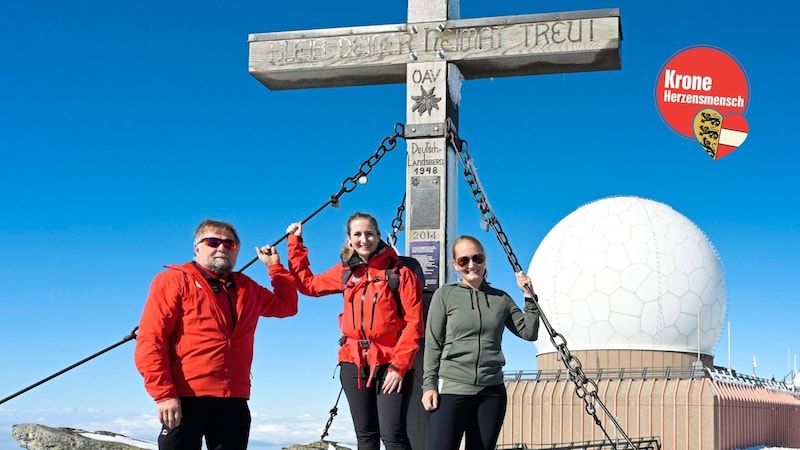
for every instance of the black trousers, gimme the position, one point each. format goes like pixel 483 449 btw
pixel 224 422
pixel 377 416
pixel 480 416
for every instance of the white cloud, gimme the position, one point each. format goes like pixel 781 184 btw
pixel 299 429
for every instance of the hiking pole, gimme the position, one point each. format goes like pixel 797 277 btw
pixel 124 340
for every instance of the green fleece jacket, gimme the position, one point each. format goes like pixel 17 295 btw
pixel 464 333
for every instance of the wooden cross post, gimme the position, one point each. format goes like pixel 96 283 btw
pixel 433 53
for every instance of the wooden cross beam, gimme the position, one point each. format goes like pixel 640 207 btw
pixel 433 53
pixel 532 44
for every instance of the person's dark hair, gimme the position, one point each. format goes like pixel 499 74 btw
pixel 217 225
pixel 347 250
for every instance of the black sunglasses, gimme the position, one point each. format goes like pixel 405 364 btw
pixel 229 244
pixel 477 258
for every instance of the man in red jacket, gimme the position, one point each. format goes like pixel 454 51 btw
pixel 195 340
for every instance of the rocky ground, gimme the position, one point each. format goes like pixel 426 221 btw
pixel 41 437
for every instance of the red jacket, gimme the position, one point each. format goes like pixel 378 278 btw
pixel 370 309
pixel 183 346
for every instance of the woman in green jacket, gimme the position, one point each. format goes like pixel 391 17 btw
pixel 463 370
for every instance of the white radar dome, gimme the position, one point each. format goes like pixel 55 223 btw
pixel 629 273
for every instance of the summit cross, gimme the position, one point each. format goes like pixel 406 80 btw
pixel 432 53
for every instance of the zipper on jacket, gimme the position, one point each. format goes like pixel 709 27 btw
pixel 353 313
pixel 361 323
pixel 374 305
pixel 233 309
pixel 480 332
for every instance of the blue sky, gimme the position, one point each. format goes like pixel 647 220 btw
pixel 123 125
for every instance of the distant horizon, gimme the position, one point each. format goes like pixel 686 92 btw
pixel 123 439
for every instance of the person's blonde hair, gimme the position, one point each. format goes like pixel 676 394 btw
pixel 347 249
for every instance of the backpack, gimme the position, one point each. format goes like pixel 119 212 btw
pixel 393 277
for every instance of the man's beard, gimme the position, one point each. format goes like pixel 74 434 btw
pixel 220 266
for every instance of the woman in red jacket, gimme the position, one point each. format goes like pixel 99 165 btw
pixel 380 336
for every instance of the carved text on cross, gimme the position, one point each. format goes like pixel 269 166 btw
pixel 491 47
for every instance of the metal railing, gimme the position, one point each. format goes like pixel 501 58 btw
pixel 648 443
pixel 719 374
pixel 609 374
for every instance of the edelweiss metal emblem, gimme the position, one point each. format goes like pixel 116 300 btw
pixel 427 101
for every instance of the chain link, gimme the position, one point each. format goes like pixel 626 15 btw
pixel 351 183
pixel 334 411
pixel 397 222
pixel 585 389
pixel 388 144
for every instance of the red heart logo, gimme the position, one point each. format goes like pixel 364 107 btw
pixel 718 135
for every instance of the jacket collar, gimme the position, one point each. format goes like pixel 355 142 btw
pixel 381 257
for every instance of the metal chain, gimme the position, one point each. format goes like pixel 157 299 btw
pixel 334 411
pixel 585 388
pixel 397 223
pixel 351 183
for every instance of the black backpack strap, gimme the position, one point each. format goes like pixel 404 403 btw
pixel 346 275
pixel 393 278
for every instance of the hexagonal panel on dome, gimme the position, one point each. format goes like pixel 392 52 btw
pixel 630 273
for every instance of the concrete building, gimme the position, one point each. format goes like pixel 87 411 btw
pixel 635 299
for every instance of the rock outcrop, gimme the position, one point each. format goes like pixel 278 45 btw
pixel 319 445
pixel 41 437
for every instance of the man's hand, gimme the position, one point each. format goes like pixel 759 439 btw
pixel 268 255
pixel 169 412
